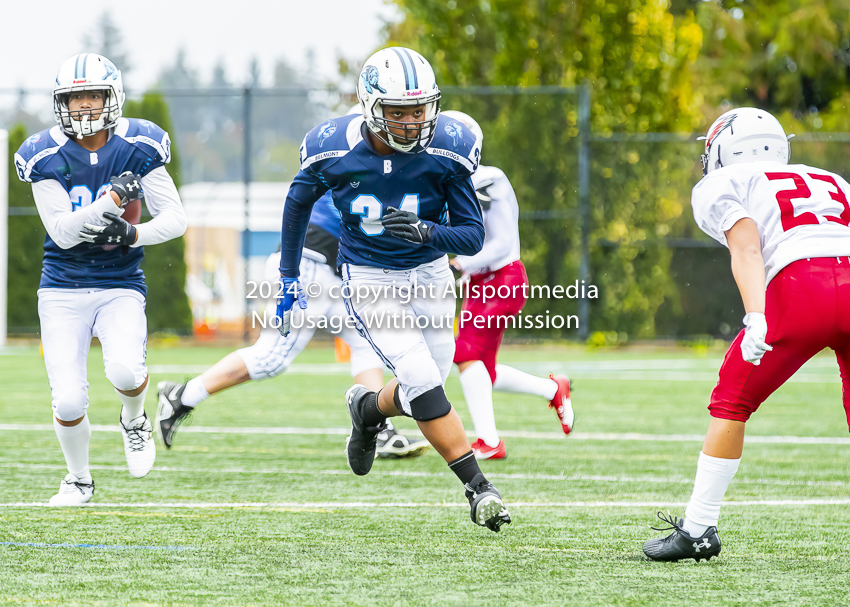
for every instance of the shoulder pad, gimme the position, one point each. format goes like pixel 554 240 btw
pixel 34 150
pixel 456 146
pixel 331 139
pixel 488 182
pixel 147 136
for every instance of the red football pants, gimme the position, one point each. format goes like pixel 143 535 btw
pixel 808 309
pixel 483 343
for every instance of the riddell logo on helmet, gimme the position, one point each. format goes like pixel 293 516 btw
pixel 79 81
pixel 414 93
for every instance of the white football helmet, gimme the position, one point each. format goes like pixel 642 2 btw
pixel 746 134
pixel 88 72
pixel 467 121
pixel 355 109
pixel 399 76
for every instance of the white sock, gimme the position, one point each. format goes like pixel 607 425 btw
pixel 713 477
pixel 132 406
pixel 390 426
pixel 195 393
pixel 74 441
pixel 478 392
pixel 509 379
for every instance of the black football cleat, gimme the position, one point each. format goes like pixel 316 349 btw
pixel 170 411
pixel 361 445
pixel 679 545
pixel 486 507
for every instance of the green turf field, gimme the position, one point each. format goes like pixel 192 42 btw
pixel 277 518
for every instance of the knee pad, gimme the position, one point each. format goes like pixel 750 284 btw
pixel 262 363
pixel 71 405
pixel 122 377
pixel 430 405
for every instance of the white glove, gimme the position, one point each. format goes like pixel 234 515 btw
pixel 753 345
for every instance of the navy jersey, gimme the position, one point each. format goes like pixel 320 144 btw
pixel 138 146
pixel 323 233
pixel 326 216
pixel 435 185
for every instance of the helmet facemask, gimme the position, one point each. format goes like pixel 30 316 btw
pixel 416 136
pixel 82 123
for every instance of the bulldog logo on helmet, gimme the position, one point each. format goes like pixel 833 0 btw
pixel 111 70
pixel 370 79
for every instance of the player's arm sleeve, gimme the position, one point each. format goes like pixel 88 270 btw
pixel 500 230
pixel 718 204
pixel 465 235
pixel 305 190
pixel 163 201
pixel 61 222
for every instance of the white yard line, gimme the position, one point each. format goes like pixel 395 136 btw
pixel 597 436
pixel 373 505
pixel 420 474
pixel 701 369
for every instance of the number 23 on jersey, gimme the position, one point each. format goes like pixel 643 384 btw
pixel 818 203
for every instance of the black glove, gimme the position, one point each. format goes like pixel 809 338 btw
pixel 117 232
pixel 406 225
pixel 127 186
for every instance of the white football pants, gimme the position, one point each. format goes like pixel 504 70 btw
pixel 408 318
pixel 272 354
pixel 69 319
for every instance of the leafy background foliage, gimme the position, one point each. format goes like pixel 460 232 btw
pixel 652 66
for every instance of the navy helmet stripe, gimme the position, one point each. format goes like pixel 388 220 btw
pixel 412 67
pixel 80 66
pixel 406 72
pixel 410 79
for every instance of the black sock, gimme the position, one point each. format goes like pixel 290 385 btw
pixel 465 467
pixel 372 415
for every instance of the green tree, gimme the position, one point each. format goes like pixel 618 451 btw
pixel 790 57
pixel 26 237
pixel 164 264
pixel 107 40
pixel 782 56
pixel 637 58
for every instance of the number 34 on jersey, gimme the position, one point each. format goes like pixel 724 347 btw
pixel 370 210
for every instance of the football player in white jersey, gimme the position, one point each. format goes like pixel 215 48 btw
pixel 786 227
pixel 497 264
pixel 88 174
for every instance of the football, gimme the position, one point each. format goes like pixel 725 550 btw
pixel 132 214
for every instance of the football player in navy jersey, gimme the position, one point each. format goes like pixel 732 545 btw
pixel 394 172
pixel 272 354
pixel 88 175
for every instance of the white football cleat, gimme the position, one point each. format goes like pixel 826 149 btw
pixel 72 492
pixel 139 445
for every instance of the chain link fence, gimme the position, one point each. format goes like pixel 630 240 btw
pixel 596 208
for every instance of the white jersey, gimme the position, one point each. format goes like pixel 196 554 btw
pixel 501 227
pixel 801 212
